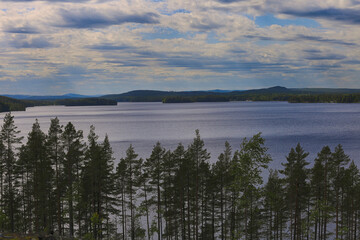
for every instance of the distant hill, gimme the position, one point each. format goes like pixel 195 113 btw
pixel 326 90
pixel 65 96
pixel 222 91
pixel 9 104
pixel 153 95
pixel 158 96
pixel 276 93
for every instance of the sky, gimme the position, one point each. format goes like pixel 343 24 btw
pixel 114 46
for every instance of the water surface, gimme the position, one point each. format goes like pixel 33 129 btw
pixel 282 124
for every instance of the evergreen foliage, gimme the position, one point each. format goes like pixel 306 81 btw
pixel 58 183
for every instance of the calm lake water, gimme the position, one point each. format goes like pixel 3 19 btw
pixel 283 125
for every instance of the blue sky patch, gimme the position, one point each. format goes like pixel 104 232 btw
pixel 163 33
pixel 270 19
pixel 170 13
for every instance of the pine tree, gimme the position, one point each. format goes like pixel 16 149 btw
pixel 321 192
pixel 56 155
pixel 170 167
pixel 296 189
pixel 41 178
pixel 10 141
pixel 132 184
pixel 247 166
pixel 181 185
pixel 73 163
pixel 274 206
pixel 153 166
pixel 349 218
pixel 108 186
pixel 223 180
pixel 120 182
pixel 340 160
pixel 2 171
pixel 197 154
pixel 98 185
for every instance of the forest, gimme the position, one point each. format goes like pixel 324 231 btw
pixel 68 185
pixel 10 104
pixel 277 93
pixel 286 97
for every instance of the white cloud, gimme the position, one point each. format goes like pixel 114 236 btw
pixel 175 41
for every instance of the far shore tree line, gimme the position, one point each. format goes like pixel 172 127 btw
pixel 58 182
pixel 283 97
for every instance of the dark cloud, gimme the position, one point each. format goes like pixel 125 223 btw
pixel 39 42
pixel 350 16
pixel 301 37
pixel 229 1
pixel 221 65
pixel 71 70
pixel 106 47
pixel 24 30
pixel 326 40
pixel 326 56
pixel 237 51
pixel 351 62
pixel 267 38
pixel 119 63
pixel 324 67
pixel 73 1
pixel 312 51
pixel 150 54
pixel 91 18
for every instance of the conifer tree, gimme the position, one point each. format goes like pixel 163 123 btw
pixel 2 169
pixel 10 141
pixel 248 163
pixel 98 186
pixel 274 206
pixel 107 186
pixel 321 191
pixel 296 189
pixel 198 155
pixel 41 178
pixel 154 167
pixel 120 182
pixel 170 167
pixel 223 178
pixel 132 184
pixel 73 163
pixel 56 156
pixel 181 185
pixel 340 160
pixel 349 216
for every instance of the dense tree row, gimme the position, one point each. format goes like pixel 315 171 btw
pixel 59 182
pixel 287 97
pixel 9 104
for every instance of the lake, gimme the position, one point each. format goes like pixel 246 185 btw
pixel 282 124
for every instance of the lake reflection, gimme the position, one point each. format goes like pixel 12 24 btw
pixel 283 125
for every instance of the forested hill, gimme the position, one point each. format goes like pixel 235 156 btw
pixel 10 104
pixel 155 96
pixel 266 94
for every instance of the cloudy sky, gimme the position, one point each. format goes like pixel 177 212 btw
pixel 113 46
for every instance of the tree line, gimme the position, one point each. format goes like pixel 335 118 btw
pixel 10 104
pixel 287 97
pixel 59 182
